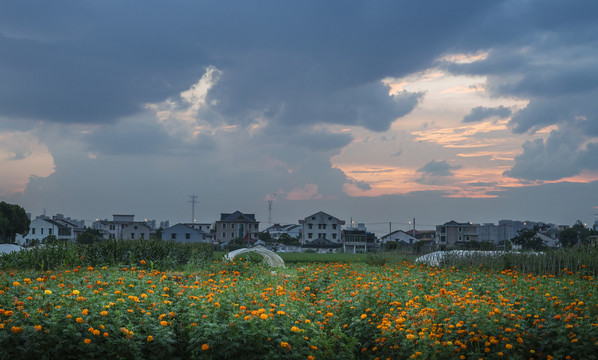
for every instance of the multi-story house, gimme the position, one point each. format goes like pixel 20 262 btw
pixel 42 227
pixel 321 230
pixel 358 239
pixel 237 226
pixel 123 227
pixel 453 233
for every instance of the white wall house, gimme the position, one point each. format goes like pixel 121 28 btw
pixel 136 231
pixel 118 228
pixel 399 236
pixel 42 227
pixel 321 229
pixel 185 234
pixel 276 230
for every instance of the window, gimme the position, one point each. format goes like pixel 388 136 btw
pixel 460 229
pixel 224 226
pixel 142 236
pixel 324 226
pixel 112 227
pixel 173 236
pixel 42 231
pixel 443 238
pixel 187 236
pixel 232 235
pixel 459 237
pixel 232 226
pixel 309 226
pixel 320 226
pixel 309 235
pixel 256 226
pixel 334 236
pixel 33 231
pixel 132 236
pixel 223 234
pixel 50 231
pixel 334 226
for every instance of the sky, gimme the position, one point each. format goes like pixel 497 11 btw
pixel 376 112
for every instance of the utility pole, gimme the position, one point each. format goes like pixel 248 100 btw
pixel 193 201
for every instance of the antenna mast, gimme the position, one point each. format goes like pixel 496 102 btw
pixel 270 200
pixel 193 201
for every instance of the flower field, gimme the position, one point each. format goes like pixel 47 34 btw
pixel 347 310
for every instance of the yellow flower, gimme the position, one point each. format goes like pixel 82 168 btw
pixel 48 292
pixel 410 337
pixel 150 338
pixel 75 292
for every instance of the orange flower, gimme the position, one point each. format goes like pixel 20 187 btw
pixel 87 341
pixel 205 347
pixel 150 338
pixel 79 320
pixel 263 316
pixel 163 323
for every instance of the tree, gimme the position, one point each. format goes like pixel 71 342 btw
pixel 528 239
pixel 89 236
pixel 13 221
pixel 568 237
pixel 578 233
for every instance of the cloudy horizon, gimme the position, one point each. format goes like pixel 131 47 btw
pixel 372 111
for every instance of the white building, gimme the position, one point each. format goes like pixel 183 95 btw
pixel 42 227
pixel 321 230
pixel 400 237
pixel 186 234
pixel 276 231
pixel 136 231
pixel 119 228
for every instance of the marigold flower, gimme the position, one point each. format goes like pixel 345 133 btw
pixel 205 347
pixel 150 338
pixel 16 283
pixel 163 323
pixel 104 313
pixel 79 320
pixel 363 316
pixel 263 316
pixel 410 337
pixel 87 341
pixel 48 292
pixel 75 292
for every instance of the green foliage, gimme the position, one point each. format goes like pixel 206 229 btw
pixel 89 236
pixel 528 240
pixel 13 221
pixel 53 254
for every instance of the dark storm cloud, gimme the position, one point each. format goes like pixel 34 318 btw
pixel 320 141
pixel 481 113
pixel 558 157
pixel 144 138
pixel 94 62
